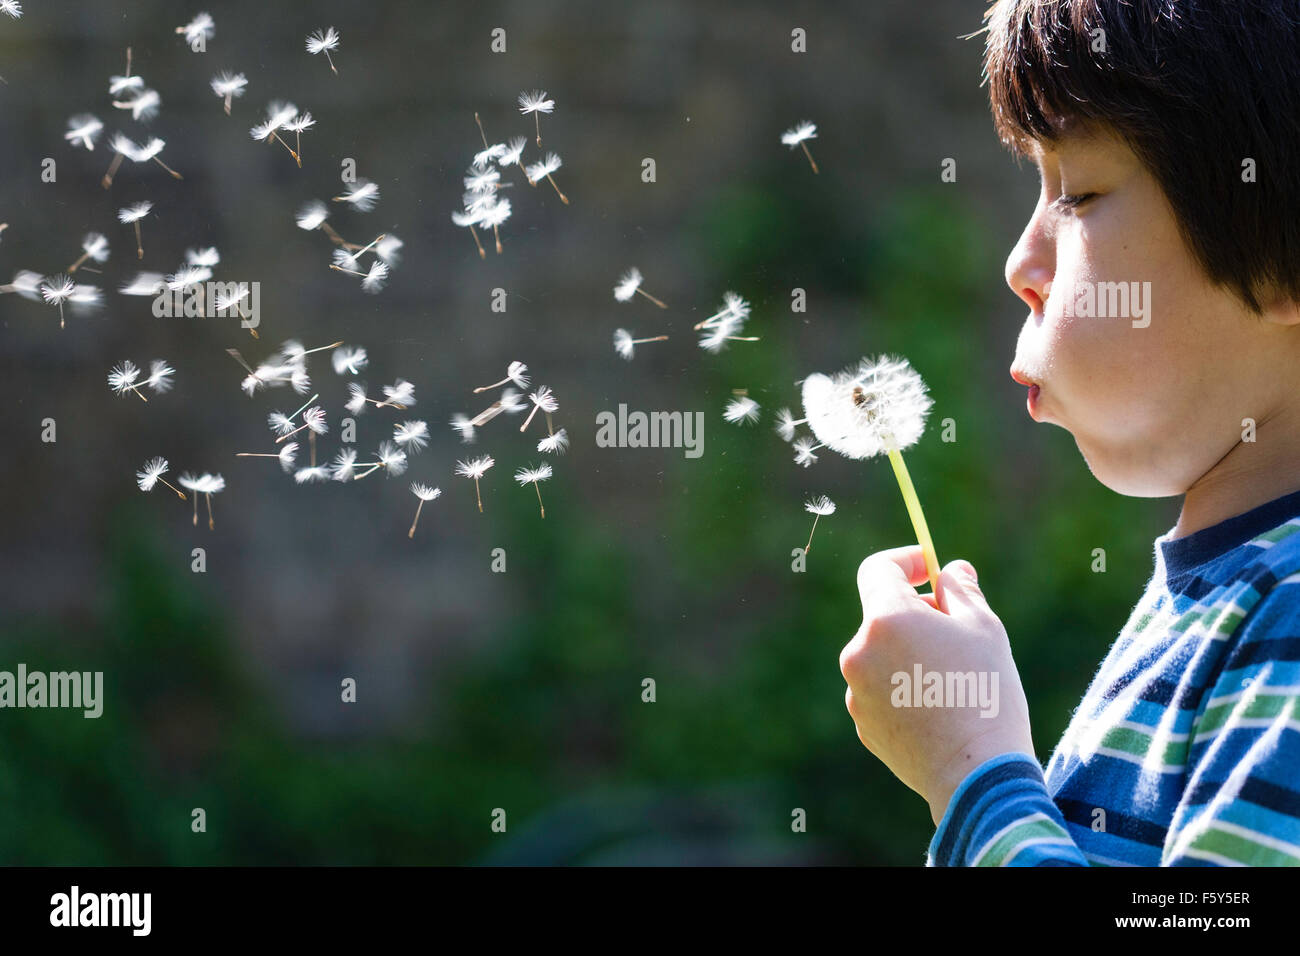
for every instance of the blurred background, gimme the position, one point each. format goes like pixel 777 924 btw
pixel 519 690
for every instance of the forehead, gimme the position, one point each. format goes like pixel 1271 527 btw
pixel 1076 137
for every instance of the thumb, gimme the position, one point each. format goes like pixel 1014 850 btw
pixel 959 590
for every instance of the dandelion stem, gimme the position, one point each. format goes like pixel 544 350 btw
pixel 538 488
pixel 479 496
pixel 809 155
pixel 497 233
pixel 563 198
pixel 228 97
pixel 657 338
pixel 312 437
pixel 173 487
pixel 334 68
pixel 480 129
pixel 128 61
pixel 168 168
pixel 196 511
pixel 918 518
pixel 208 498
pixel 253 454
pixel 139 244
pixel 107 181
pixel 334 236
pixel 538 123
pixel 76 265
pixel 291 434
pixel 651 298
pixel 473 232
pixel 136 389
pixel 411 533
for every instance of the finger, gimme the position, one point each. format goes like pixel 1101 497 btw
pixel 896 571
pixel 959 594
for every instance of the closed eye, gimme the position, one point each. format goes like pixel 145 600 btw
pixel 1070 201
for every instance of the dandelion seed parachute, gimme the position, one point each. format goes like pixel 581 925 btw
pixel 741 410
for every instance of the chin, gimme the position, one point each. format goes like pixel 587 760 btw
pixel 1131 478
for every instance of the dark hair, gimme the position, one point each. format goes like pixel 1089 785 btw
pixel 1194 87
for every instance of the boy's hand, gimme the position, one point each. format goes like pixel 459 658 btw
pixel 931 749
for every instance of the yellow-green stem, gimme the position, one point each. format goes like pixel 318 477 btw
pixel 918 519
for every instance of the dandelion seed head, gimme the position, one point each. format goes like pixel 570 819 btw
pixel 83 130
pixel 287 454
pixel 463 425
pixel 392 458
pixel 228 84
pixel 308 475
pixel 145 283
pixel 514 151
pixel 356 404
pixel 424 492
pixel 547 165
pixel 11 7
pixel 485 156
pixel 121 378
pixel 803 451
pixel 345 465
pixel 57 289
pixel 363 194
pixel 95 245
pixel 120 84
pixel 388 249
pixel 868 408
pixel 201 27
pixel 314 419
pixel 623 343
pixel 375 278
pixel 400 392
pixel 544 399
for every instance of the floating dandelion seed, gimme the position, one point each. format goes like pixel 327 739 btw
pixel 625 345
pixel 198 31
pixel 350 359
pixel 543 400
pixel 482 180
pixel 206 485
pixel 122 84
pixel 741 410
pixel 734 309
pixel 549 164
pixel 413 435
pixel 398 395
pixel 312 215
pixel 554 444
pixel 803 451
pixel 719 335
pixel 286 455
pixel 300 123
pixel 536 103
pixel 93 246
pixel 508 402
pixel 345 465
pixel 391 459
pixel 313 418
pixel 150 151
pixel 131 215
pixel 11 7
pixel 152 474
pixel 229 86
pixel 55 291
pixel 515 372
pixel 387 248
pixel 629 284
pixel 819 506
pixel 877 406
pixel 494 215
pixel 424 493
pixel 26 283
pixel 160 376
pixel 145 283
pixel 513 154
pixel 534 477
pixel 470 219
pixel 143 106
pixel 122 379
pixel 799 136
pixel 786 423
pixel 282 424
pixel 83 130
pixel 362 195
pixel 313 474
pixel 277 114
pixel 488 153
pixel 322 41
pixel 464 426
pixel 475 468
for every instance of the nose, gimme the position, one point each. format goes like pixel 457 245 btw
pixel 1032 262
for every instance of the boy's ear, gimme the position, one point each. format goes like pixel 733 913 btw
pixel 1281 310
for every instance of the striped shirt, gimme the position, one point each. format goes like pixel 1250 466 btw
pixel 1185 750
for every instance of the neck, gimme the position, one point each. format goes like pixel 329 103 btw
pixel 1250 474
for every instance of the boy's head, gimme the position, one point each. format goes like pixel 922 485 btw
pixel 1167 137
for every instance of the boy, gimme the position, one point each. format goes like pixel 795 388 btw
pixel 1168 147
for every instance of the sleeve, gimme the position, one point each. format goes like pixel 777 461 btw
pixel 1002 815
pixel 1241 805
